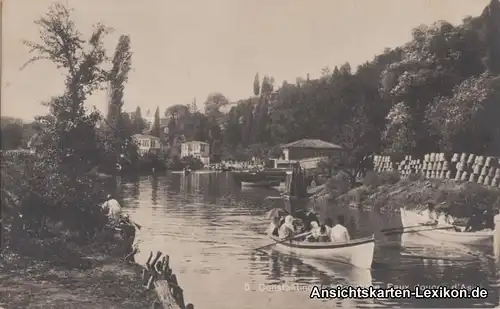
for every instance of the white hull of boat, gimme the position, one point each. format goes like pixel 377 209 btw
pixel 353 276
pixel 358 252
pixel 410 218
pixel 264 183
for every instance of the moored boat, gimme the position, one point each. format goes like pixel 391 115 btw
pixel 183 172
pixel 256 179
pixel 258 175
pixel 357 252
pixel 439 233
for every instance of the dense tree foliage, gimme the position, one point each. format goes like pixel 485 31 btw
pixel 138 123
pixel 156 129
pixel 12 135
pixel 117 129
pixel 58 186
pixel 438 92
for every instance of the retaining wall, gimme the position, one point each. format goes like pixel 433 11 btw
pixel 459 166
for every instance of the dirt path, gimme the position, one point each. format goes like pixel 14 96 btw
pixel 108 283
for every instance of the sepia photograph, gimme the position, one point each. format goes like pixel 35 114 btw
pixel 242 154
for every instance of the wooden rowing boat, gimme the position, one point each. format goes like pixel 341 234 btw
pixel 357 252
pixel 410 218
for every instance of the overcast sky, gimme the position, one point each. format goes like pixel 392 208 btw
pixel 189 48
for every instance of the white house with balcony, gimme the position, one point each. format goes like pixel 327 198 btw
pixel 197 149
pixel 147 143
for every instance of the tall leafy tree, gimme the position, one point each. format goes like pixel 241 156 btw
pixel 69 144
pixel 119 135
pixel 138 122
pixel 491 32
pixel 193 108
pixel 69 133
pixel 267 85
pixel 156 129
pixel 256 85
pixel 471 114
pixel 12 136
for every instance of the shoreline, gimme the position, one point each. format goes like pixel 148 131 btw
pixel 99 275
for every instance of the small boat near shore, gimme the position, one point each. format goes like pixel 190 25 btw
pixel 254 175
pixel 440 233
pixel 183 172
pixel 263 183
pixel 357 252
pixel 256 179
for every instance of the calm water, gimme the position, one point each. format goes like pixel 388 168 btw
pixel 208 226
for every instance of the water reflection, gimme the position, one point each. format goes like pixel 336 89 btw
pixel 154 190
pixel 208 225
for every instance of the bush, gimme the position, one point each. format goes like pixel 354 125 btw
pixel 192 162
pixel 389 178
pixel 338 185
pixel 150 161
pixel 176 163
pixel 371 179
pixel 468 198
pixel 416 177
pixel 374 180
pixel 44 201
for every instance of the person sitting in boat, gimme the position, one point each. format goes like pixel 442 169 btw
pixel 431 213
pixel 287 230
pixel 325 230
pixel 300 228
pixel 282 221
pixel 307 217
pixel 324 234
pixel 328 225
pixel 312 217
pixel 479 220
pixel 447 219
pixel 315 232
pixel 339 232
pixel 490 219
pixel 274 227
pixel 473 224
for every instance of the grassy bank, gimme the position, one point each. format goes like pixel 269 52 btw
pixel 57 273
pixel 387 192
pixel 57 250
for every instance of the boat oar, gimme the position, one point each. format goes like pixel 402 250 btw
pixel 284 240
pixel 417 230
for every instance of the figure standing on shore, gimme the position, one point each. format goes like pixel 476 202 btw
pixel 112 208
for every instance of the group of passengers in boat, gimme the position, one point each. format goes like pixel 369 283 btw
pixel 306 227
pixel 480 219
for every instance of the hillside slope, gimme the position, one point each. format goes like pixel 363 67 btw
pixel 456 198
